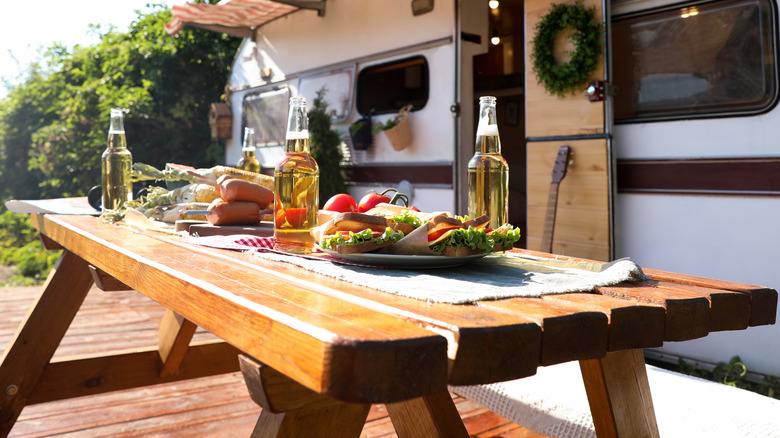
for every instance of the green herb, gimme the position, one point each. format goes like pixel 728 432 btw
pixel 357 126
pixel 145 172
pixel 390 123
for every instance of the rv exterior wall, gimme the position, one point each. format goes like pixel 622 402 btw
pixel 729 237
pixel 361 34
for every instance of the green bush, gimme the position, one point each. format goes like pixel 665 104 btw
pixel 20 247
pixel 733 373
pixel 32 260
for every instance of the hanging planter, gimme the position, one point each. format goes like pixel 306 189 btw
pixel 360 133
pixel 398 130
pixel 569 77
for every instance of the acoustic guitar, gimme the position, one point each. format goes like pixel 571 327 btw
pixel 559 171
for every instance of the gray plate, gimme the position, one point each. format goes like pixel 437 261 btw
pixel 406 261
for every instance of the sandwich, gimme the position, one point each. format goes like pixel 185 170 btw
pixel 448 236
pixel 405 221
pixel 355 233
pixel 412 233
pixel 504 237
pixel 444 235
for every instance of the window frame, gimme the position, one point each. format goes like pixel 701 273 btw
pixel 260 141
pixel 360 86
pixel 721 110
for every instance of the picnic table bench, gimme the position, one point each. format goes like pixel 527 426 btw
pixel 317 351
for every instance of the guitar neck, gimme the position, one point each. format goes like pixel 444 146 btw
pixel 549 220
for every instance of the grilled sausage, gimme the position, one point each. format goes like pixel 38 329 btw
pixel 222 212
pixel 234 189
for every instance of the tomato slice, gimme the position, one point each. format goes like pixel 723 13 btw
pixel 438 233
pixel 296 217
pixel 278 214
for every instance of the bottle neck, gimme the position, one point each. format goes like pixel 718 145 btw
pixel 116 131
pixel 248 152
pixel 488 140
pixel 297 128
pixel 117 140
pixel 298 145
pixel 488 144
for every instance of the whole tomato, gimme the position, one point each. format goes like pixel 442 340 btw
pixel 370 201
pixel 342 203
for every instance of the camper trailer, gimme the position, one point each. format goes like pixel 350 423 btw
pixel 673 155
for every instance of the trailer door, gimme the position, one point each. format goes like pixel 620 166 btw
pixel 583 217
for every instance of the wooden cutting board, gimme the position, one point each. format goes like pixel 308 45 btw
pixel 203 228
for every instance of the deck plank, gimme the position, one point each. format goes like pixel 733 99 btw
pixel 210 406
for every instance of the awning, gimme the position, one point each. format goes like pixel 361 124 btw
pixel 235 17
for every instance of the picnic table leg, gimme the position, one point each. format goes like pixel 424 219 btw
pixel 619 395
pixel 40 333
pixel 292 410
pixel 433 415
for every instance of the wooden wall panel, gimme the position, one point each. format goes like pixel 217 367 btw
pixel 548 115
pixel 583 220
pixel 582 223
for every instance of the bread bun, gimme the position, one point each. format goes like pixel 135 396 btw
pixel 461 251
pixel 477 223
pixel 442 222
pixel 400 226
pixel 354 222
pixel 361 247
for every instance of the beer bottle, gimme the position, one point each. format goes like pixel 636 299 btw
pixel 296 185
pixel 488 172
pixel 248 159
pixel 116 165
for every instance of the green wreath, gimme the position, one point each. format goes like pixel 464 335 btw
pixel 558 79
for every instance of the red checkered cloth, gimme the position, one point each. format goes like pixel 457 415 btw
pixel 248 242
pixel 236 241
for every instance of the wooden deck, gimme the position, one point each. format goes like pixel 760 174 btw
pixel 215 406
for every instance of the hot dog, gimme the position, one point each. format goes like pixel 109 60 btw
pixel 234 189
pixel 222 212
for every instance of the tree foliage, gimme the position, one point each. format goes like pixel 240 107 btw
pixel 54 122
pixel 53 125
pixel 326 149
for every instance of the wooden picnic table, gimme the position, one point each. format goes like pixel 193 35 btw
pixel 316 351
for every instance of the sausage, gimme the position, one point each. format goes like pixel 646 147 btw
pixel 234 189
pixel 222 212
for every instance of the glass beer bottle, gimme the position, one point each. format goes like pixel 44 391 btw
pixel 116 165
pixel 248 159
pixel 488 172
pixel 296 186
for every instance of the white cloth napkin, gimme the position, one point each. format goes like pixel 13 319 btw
pixel 496 276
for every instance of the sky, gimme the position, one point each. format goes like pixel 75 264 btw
pixel 28 27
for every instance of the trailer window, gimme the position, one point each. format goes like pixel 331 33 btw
pixel 336 86
pixel 386 88
pixel 266 113
pixel 701 60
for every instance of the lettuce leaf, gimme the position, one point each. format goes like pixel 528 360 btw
pixel 406 217
pixel 471 238
pixel 360 237
pixel 505 235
